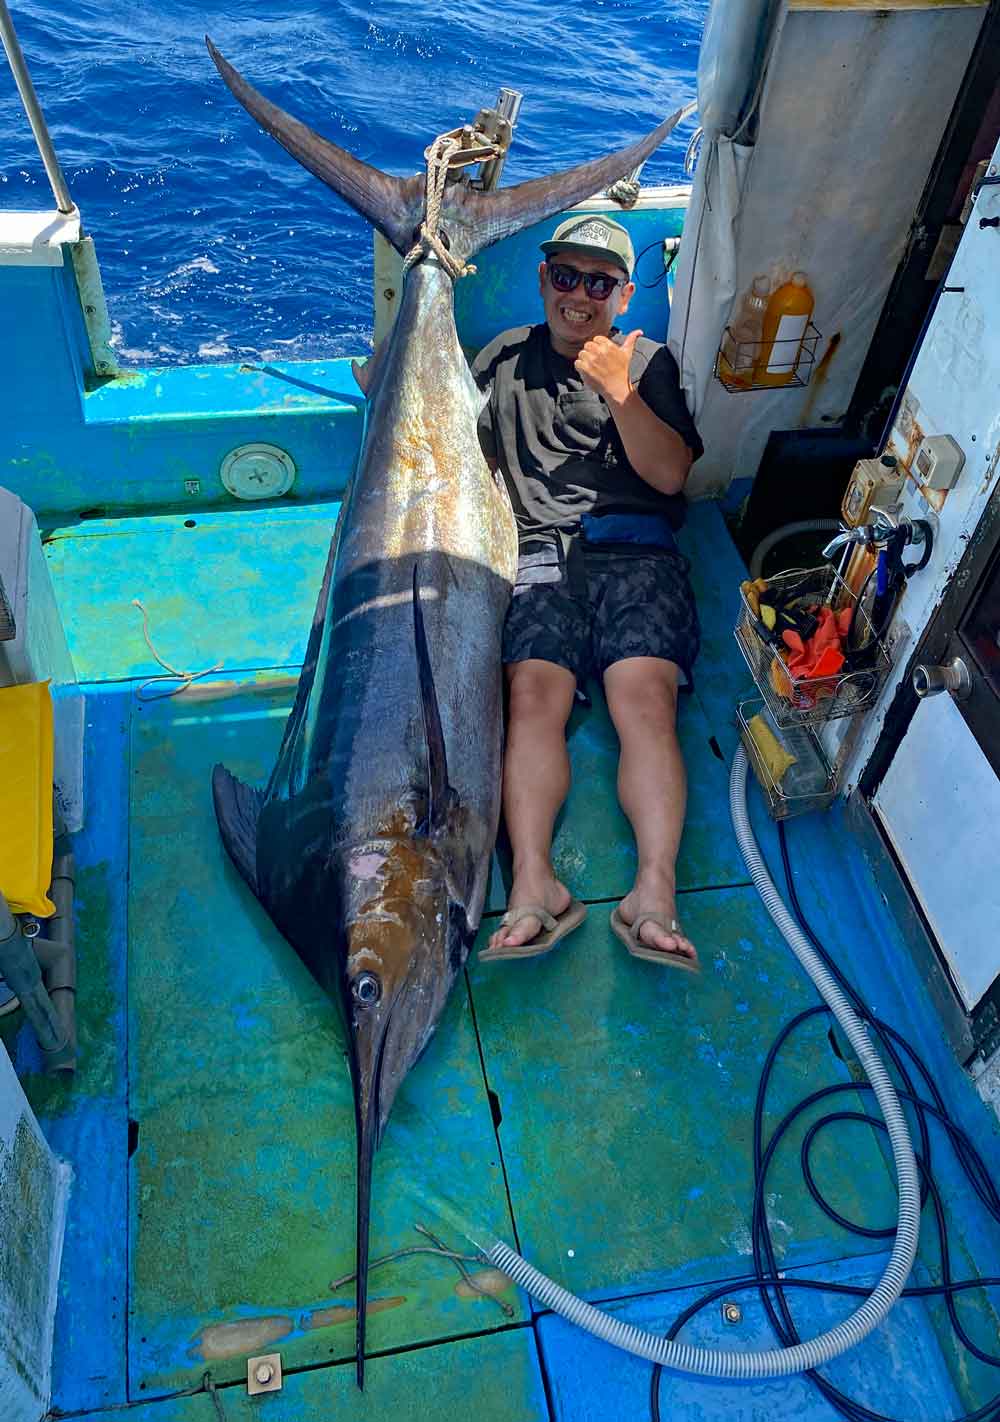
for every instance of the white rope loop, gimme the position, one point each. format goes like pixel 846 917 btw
pixel 429 239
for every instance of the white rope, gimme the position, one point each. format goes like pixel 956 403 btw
pixel 439 155
pixel 186 678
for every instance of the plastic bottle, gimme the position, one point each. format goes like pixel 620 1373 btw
pixel 785 322
pixel 741 344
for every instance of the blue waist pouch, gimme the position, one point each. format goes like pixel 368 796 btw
pixel 644 530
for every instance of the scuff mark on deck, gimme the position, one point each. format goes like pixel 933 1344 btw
pixel 242 1336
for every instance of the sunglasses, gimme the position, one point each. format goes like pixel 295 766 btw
pixel 597 285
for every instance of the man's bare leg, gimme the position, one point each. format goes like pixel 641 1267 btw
pixel 535 784
pixel 652 787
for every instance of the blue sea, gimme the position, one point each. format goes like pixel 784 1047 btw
pixel 214 244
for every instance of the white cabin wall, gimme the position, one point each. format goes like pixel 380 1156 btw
pixel 855 106
pixel 953 389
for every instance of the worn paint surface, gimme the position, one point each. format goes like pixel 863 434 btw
pixel 217 587
pixel 492 1377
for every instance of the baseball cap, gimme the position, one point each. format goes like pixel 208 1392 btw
pixel 595 235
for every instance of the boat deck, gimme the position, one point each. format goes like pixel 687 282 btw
pixel 596 1110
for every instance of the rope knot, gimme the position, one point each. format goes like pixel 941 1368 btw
pixel 429 239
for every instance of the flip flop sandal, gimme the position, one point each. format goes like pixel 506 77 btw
pixel 629 935
pixel 553 928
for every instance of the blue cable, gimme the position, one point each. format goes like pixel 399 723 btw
pixel 766 1278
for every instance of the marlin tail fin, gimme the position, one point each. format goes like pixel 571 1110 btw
pixel 472 219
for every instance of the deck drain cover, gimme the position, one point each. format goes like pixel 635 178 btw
pixel 258 471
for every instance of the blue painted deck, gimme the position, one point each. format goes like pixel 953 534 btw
pixel 594 1108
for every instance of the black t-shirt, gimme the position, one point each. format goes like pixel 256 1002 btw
pixel 555 440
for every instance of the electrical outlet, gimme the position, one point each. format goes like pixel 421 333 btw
pixel 192 486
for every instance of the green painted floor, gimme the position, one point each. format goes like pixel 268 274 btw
pixel 622 1087
pixel 595 1109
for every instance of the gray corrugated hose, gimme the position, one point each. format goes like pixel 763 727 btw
pixel 773 1362
pixel 788 530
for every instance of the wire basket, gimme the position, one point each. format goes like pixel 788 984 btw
pixel 799 700
pixel 738 363
pixel 807 783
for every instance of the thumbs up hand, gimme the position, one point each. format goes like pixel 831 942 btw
pixel 603 366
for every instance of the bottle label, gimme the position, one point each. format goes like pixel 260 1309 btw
pixel 787 340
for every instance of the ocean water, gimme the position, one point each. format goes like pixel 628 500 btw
pixel 214 244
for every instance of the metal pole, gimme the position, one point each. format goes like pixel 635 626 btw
pixel 34 111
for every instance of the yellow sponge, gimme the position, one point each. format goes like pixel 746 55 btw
pixel 26 757
pixel 771 751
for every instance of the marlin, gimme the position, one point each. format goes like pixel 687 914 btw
pixel 370 846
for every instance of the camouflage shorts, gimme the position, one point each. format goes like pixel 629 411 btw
pixel 622 605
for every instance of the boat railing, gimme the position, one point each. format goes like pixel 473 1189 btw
pixel 33 110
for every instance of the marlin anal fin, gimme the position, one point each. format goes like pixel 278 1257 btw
pixel 391 204
pixel 237 809
pixel 439 792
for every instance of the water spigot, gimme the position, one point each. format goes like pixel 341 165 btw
pixel 874 534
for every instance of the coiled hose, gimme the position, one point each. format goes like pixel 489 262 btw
pixel 772 1362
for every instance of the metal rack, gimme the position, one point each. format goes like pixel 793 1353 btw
pixel 798 701
pixel 807 784
pixel 739 370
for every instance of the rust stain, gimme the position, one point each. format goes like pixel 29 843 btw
pixel 486 1281
pixel 346 1313
pixel 819 375
pixel 823 368
pixel 241 1337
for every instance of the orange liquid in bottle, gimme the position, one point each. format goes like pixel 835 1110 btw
pixel 785 322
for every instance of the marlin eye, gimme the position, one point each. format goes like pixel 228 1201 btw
pixel 366 989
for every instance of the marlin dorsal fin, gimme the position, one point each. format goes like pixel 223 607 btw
pixel 438 789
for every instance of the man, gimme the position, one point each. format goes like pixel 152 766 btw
pixel 591 432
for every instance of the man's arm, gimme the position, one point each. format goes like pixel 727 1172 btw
pixel 657 453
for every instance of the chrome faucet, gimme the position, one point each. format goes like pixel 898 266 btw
pixel 871 534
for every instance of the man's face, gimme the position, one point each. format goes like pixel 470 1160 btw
pixel 573 317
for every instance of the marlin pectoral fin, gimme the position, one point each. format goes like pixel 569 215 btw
pixel 439 794
pixel 237 809
pixel 393 205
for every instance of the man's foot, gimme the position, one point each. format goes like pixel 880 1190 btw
pixel 546 893
pixel 657 935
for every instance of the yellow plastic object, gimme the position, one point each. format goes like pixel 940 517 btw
pixel 26 756
pixel 772 752
pixel 785 322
